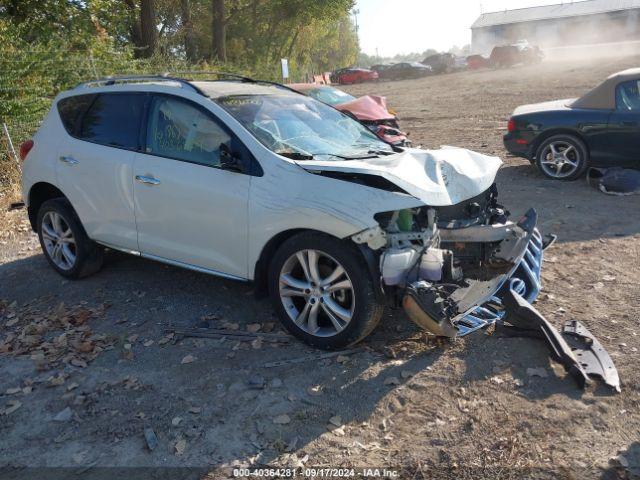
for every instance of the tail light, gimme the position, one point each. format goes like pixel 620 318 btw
pixel 25 148
pixel 511 126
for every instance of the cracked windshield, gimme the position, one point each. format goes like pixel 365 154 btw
pixel 302 128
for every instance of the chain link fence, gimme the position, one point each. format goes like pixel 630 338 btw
pixel 30 79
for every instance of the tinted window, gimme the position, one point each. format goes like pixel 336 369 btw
pixel 70 110
pixel 179 129
pixel 628 96
pixel 114 119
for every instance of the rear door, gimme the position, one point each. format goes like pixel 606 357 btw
pixel 624 125
pixel 95 163
pixel 189 209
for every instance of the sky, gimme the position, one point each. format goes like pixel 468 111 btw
pixel 405 26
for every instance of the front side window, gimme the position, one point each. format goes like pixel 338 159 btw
pixel 114 120
pixel 180 130
pixel 628 96
pixel 295 126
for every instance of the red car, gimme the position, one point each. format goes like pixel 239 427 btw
pixel 347 76
pixel 370 110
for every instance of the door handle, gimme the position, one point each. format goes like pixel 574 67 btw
pixel 69 160
pixel 629 124
pixel 147 180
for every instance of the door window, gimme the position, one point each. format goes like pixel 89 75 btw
pixel 114 119
pixel 71 109
pixel 628 96
pixel 181 130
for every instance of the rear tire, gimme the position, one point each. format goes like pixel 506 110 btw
pixel 64 242
pixel 325 312
pixel 562 157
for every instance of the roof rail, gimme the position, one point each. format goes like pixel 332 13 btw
pixel 171 77
pixel 139 78
pixel 221 74
pixel 242 78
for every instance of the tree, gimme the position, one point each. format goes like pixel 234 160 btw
pixel 187 26
pixel 148 31
pixel 219 31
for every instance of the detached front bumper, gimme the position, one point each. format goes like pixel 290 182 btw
pixel 525 281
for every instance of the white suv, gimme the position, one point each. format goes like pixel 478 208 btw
pixel 252 181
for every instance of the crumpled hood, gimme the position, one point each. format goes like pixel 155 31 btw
pixel 437 177
pixel 545 106
pixel 369 107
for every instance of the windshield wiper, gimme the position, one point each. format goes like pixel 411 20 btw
pixel 296 155
pixel 381 152
pixel 306 156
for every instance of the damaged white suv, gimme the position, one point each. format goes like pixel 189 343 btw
pixel 252 181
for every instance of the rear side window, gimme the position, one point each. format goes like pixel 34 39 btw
pixel 114 120
pixel 71 109
pixel 628 96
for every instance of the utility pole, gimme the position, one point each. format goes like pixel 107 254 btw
pixel 355 14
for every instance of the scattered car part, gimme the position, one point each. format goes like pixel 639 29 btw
pixel 575 348
pixel 591 354
pixel 615 180
pixel 16 206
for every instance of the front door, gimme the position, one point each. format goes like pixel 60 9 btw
pixel 189 210
pixel 624 125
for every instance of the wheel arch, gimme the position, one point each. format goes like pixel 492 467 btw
pixel 39 193
pixel 261 269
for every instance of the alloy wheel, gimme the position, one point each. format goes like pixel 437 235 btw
pixel 560 159
pixel 317 293
pixel 59 241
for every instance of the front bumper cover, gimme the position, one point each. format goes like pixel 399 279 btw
pixel 509 305
pixel 478 304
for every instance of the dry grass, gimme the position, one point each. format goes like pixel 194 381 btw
pixel 9 193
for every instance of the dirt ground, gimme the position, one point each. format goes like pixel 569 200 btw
pixel 108 370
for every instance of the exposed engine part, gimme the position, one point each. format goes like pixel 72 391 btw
pixel 478 233
pixel 396 264
pixel 432 264
pixel 455 300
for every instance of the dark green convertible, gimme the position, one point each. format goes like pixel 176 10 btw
pixel 565 137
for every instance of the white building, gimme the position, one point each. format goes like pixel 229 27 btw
pixel 566 24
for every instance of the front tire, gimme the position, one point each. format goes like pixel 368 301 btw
pixel 323 292
pixel 64 242
pixel 562 157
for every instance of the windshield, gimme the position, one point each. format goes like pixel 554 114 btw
pixel 301 127
pixel 331 96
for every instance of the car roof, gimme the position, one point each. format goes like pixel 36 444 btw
pixel 603 97
pixel 212 89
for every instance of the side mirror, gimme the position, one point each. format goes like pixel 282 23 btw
pixel 229 161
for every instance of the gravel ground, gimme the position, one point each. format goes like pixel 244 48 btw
pixel 110 372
